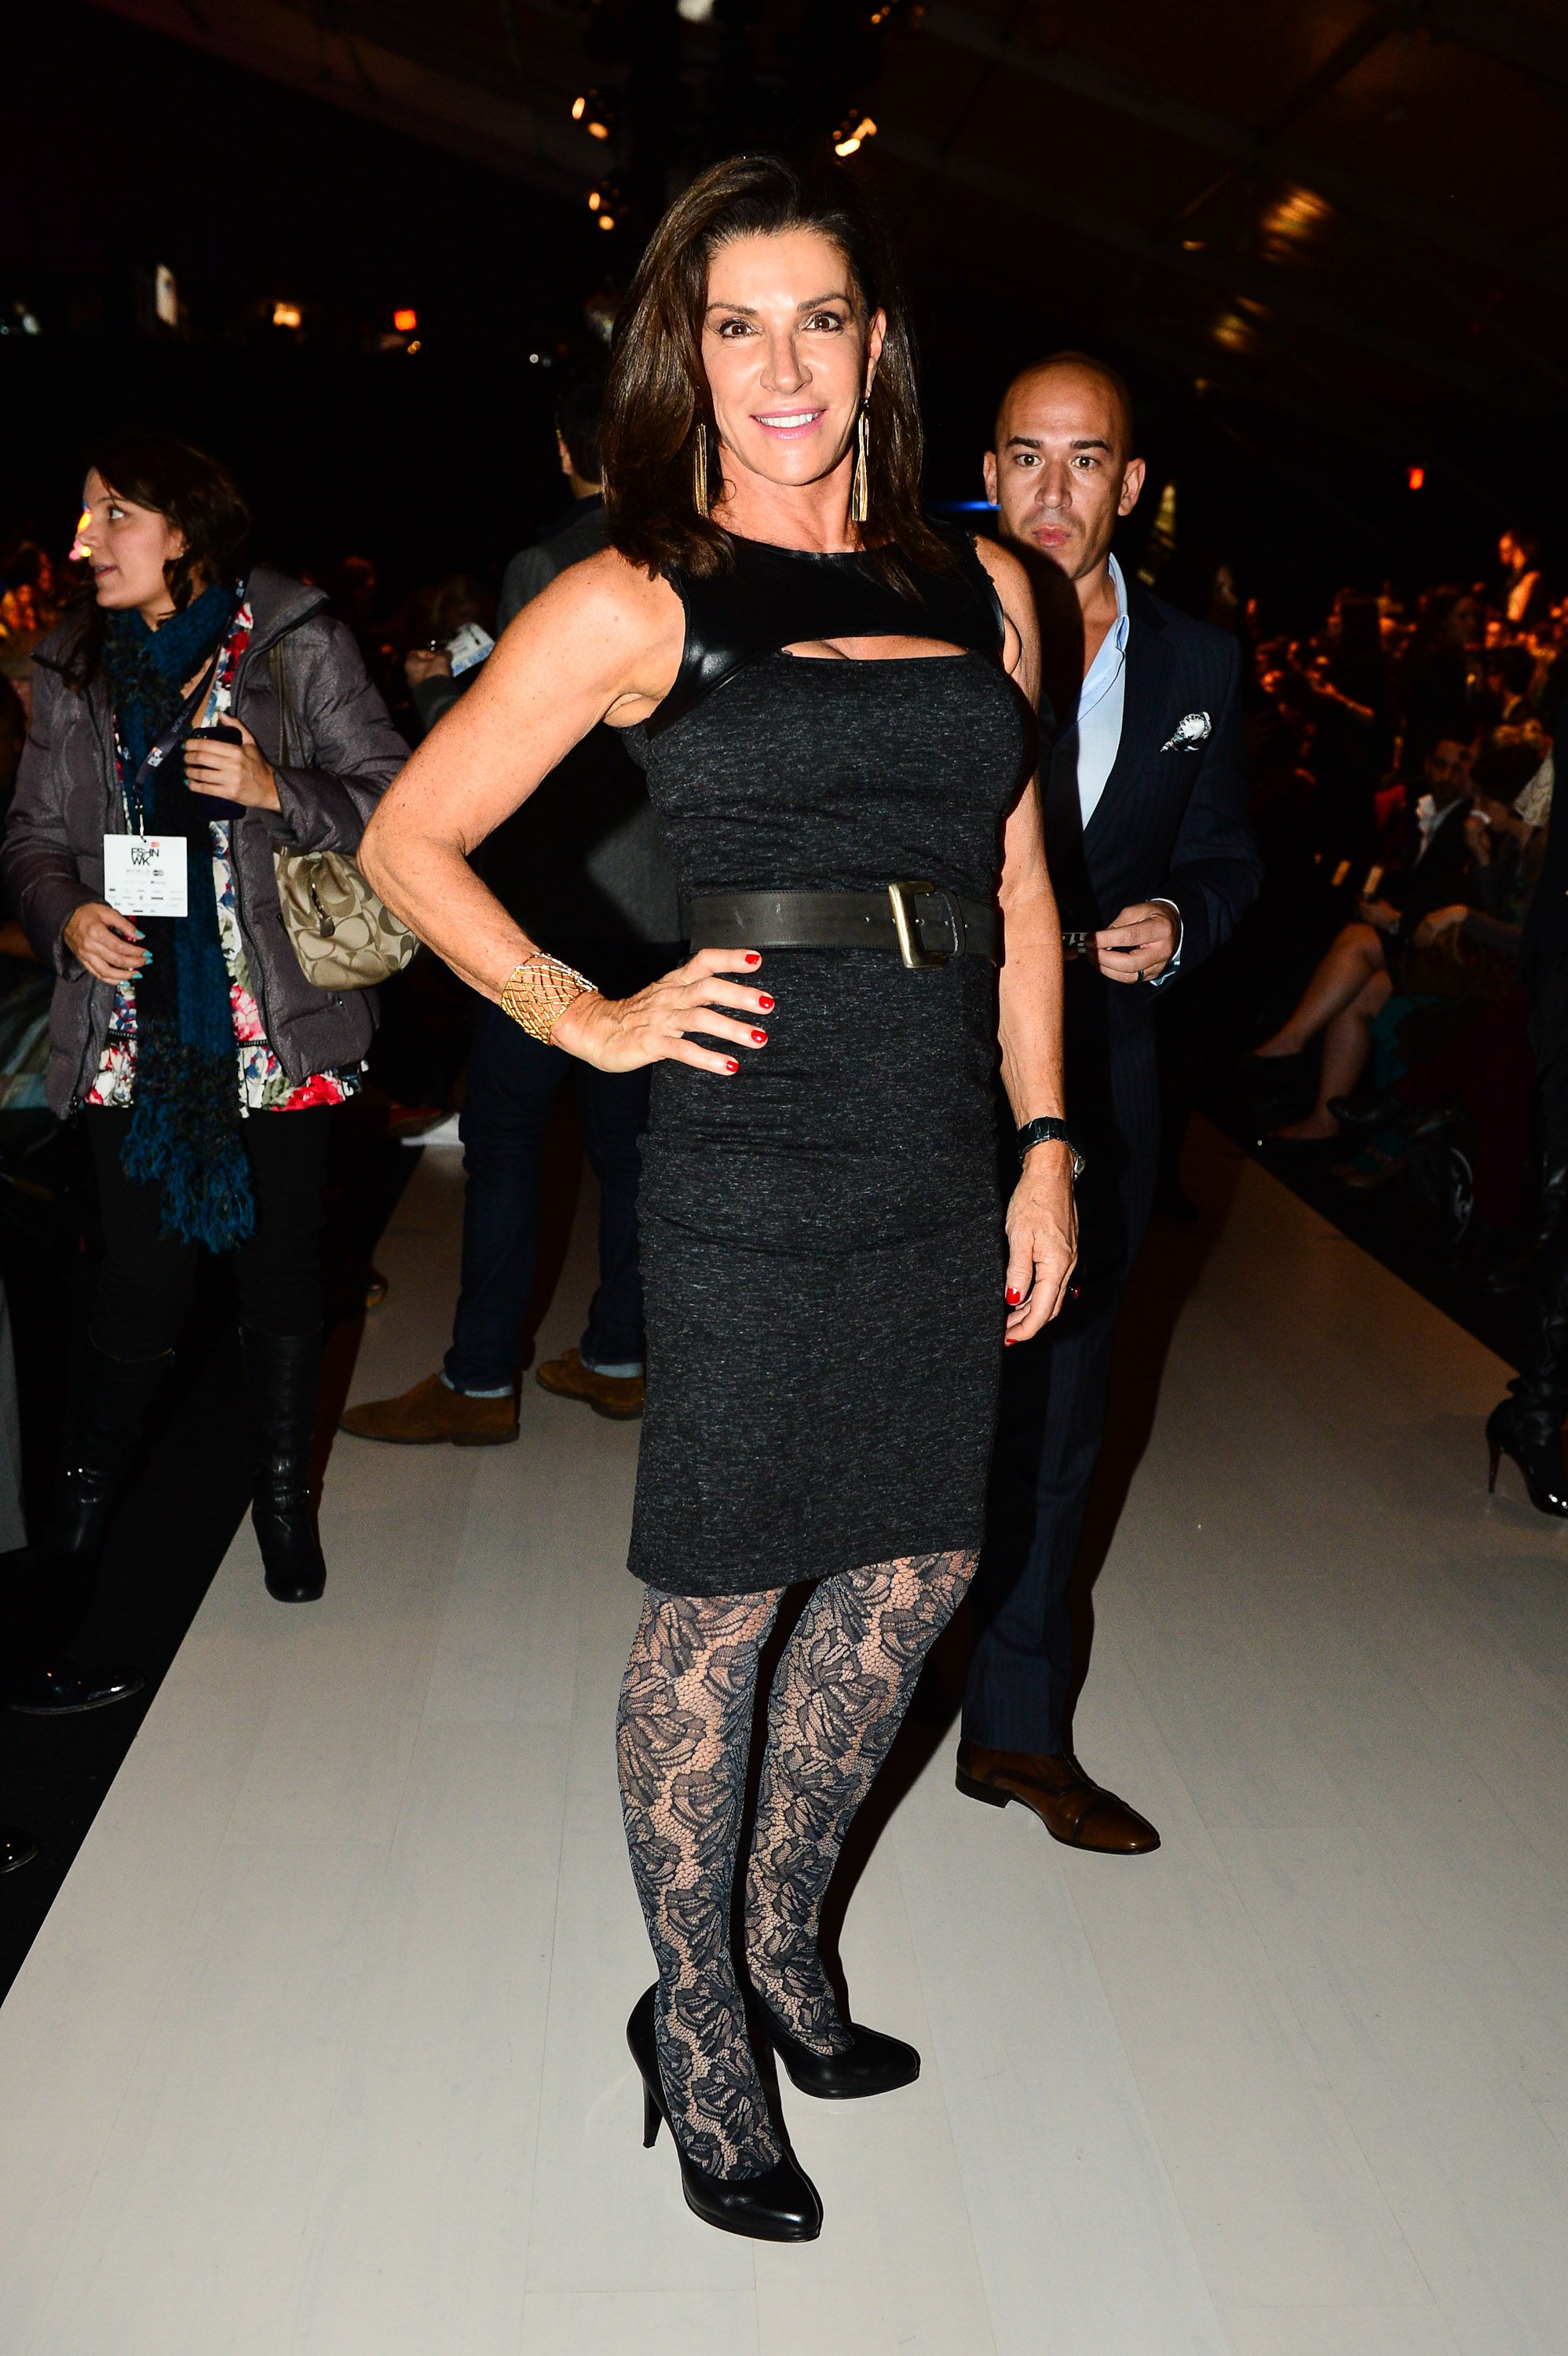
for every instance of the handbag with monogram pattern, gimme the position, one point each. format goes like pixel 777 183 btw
pixel 344 936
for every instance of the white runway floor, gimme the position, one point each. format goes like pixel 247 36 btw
pixel 320 2053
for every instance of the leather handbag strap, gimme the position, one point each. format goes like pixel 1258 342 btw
pixel 922 923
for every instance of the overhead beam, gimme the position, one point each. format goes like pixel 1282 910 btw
pixel 1526 41
pixel 1221 134
pixel 1226 277
pixel 377 67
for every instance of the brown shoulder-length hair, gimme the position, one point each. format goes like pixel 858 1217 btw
pixel 658 400
pixel 197 495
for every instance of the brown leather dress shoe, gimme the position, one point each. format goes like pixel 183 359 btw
pixel 434 1411
pixel 1072 1806
pixel 618 1396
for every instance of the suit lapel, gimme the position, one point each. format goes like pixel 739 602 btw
pixel 1146 717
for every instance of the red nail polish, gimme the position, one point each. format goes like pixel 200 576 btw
pixel 1006 1341
pixel 730 1064
pixel 765 1002
pixel 1014 1296
pixel 751 958
pixel 760 1037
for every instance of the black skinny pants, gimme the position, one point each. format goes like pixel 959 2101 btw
pixel 148 1279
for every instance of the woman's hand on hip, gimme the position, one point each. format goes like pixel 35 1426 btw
pixel 655 1026
pixel 234 773
pixel 105 942
pixel 1042 1239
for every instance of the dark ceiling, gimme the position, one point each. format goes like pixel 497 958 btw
pixel 1343 208
pixel 1327 240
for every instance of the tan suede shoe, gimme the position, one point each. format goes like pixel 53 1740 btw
pixel 433 1411
pixel 618 1396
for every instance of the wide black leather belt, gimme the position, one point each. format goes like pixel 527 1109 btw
pixel 924 923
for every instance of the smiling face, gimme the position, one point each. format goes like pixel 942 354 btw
pixel 1063 470
pixel 787 356
pixel 127 548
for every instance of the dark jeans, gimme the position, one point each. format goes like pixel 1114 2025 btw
pixel 512 1083
pixel 148 1279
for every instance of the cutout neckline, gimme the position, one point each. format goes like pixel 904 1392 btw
pixel 949 653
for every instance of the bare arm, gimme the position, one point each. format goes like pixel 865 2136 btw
pixel 601 642
pixel 1041 1219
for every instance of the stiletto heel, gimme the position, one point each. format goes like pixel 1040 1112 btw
pixel 874 2064
pixel 1530 1436
pixel 779 2204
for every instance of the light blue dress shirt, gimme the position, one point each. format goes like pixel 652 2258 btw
pixel 1098 728
pixel 1100 702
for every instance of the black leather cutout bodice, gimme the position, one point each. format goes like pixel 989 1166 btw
pixel 775 597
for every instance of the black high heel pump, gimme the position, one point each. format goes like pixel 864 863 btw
pixel 779 2204
pixel 1534 1443
pixel 874 2064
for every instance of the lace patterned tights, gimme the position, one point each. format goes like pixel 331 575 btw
pixel 687 1702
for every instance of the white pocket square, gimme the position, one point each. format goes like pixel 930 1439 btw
pixel 1190 731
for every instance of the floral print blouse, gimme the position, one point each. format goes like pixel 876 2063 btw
pixel 264 1085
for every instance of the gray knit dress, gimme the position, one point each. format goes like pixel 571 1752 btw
pixel 821 1234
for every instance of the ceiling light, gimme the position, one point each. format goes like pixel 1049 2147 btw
pixel 285 314
pixel 1293 222
pixel 696 12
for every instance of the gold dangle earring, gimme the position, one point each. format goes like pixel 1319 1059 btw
pixel 860 483
pixel 700 470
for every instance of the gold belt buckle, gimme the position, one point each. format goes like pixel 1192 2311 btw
pixel 906 925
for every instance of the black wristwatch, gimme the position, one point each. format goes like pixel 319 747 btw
pixel 1049 1130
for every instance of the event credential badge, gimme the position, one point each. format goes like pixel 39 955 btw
pixel 145 874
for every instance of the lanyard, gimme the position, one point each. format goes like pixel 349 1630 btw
pixel 217 682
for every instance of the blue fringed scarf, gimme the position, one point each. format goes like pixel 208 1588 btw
pixel 185 1127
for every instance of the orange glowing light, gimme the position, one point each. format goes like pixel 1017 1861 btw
pixel 1417 477
pixel 285 314
pixel 405 322
pixel 81 546
pixel 851 141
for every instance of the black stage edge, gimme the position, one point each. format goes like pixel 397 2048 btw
pixel 179 1517
pixel 1392 1225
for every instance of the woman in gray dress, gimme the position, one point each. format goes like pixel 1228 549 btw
pixel 834 702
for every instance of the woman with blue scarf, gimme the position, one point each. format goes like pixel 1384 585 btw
pixel 217 715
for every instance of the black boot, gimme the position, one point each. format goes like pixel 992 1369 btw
pixel 284 1372
pixel 112 1405
pixel 1532 1435
pixel 1528 1426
